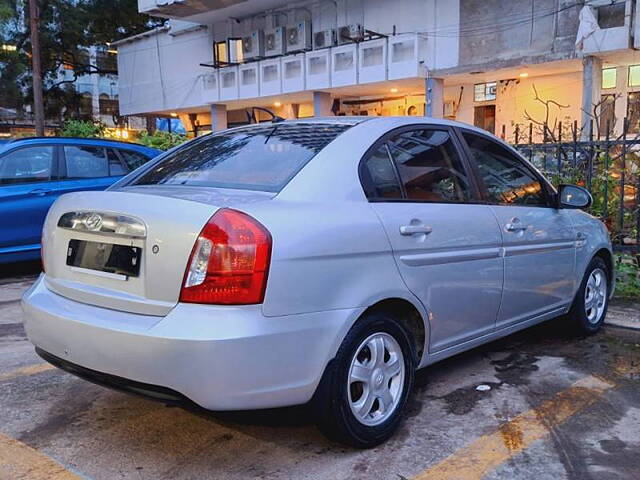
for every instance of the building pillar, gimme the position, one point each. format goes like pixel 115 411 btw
pixel 434 90
pixel 591 86
pixel 218 117
pixel 322 104
pixel 151 124
pixel 289 111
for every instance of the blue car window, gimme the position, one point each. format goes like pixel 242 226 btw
pixel 86 162
pixel 116 168
pixel 27 165
pixel 133 159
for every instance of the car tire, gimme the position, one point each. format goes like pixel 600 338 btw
pixel 374 366
pixel 590 305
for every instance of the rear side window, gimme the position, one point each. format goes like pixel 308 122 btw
pixel 507 179
pixel 85 162
pixel 133 159
pixel 27 165
pixel 255 158
pixel 429 166
pixel 382 181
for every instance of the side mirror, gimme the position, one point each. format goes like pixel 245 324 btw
pixel 572 196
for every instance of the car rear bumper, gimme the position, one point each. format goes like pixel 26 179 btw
pixel 221 358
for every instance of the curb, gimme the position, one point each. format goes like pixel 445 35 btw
pixel 624 313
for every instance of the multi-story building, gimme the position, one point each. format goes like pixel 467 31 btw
pixel 500 64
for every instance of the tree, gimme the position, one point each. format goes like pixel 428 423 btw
pixel 67 29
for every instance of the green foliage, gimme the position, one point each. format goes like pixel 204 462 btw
pixel 627 276
pixel 604 183
pixel 67 29
pixel 80 128
pixel 162 140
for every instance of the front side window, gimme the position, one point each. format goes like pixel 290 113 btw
pixel 506 178
pixel 85 162
pixel 255 158
pixel 27 165
pixel 429 166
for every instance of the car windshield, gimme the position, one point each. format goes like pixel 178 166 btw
pixel 254 158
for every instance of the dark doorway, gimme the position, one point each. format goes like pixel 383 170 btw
pixel 485 117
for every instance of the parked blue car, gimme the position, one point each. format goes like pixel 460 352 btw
pixel 36 171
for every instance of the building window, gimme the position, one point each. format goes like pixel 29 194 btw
pixel 483 92
pixel 220 53
pixel 634 76
pixel 633 112
pixel 609 77
pixel 108 106
pixel 607 114
pixel 107 61
pixel 86 105
pixel 610 16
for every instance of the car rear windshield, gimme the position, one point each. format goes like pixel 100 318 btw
pixel 253 158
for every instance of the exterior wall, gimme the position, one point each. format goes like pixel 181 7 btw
pixel 501 32
pixel 161 72
pixel 516 98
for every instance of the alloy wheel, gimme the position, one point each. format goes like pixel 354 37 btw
pixel 595 295
pixel 376 379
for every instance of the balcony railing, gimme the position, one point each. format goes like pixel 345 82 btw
pixel 392 58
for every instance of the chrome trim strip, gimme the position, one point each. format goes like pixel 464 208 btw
pixel 513 250
pixel 103 223
pixel 438 258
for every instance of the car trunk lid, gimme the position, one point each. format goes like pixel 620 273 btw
pixel 161 223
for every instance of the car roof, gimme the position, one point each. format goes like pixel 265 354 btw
pixel 75 140
pixel 390 121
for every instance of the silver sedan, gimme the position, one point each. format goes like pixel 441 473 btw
pixel 315 262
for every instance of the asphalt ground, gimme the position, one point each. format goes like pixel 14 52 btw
pixel 558 407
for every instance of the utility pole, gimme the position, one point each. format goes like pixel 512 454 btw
pixel 38 105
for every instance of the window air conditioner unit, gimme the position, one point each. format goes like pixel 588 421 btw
pixel 253 45
pixel 299 37
pixel 274 42
pixel 350 34
pixel 324 39
pixel 449 108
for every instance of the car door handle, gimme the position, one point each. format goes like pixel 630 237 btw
pixel 412 229
pixel 515 227
pixel 40 191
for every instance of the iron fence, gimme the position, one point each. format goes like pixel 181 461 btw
pixel 608 166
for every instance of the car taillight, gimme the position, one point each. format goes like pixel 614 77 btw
pixel 229 262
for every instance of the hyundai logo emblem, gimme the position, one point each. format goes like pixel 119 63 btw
pixel 93 222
